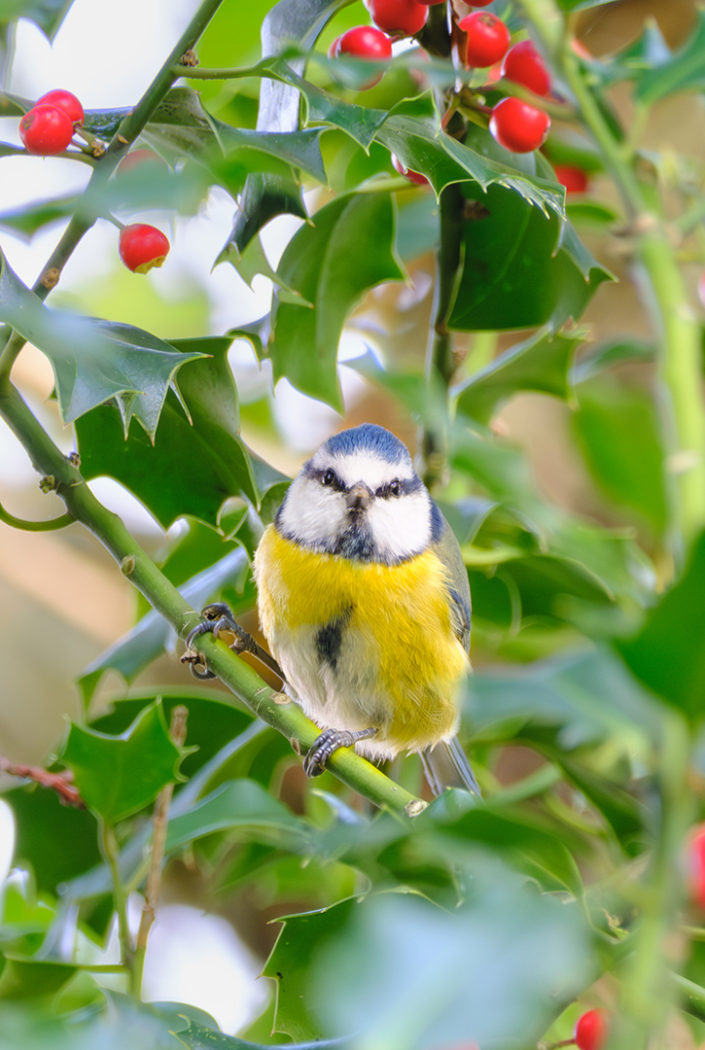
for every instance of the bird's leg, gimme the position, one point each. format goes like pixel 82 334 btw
pixel 218 620
pixel 329 741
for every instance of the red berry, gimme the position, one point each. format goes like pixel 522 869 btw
pixel 142 247
pixel 365 42
pixel 524 65
pixel 591 1030
pixel 518 126
pixel 66 101
pixel 488 38
pixel 403 17
pixel 574 179
pixel 137 158
pixel 696 844
pixel 46 130
pixel 412 176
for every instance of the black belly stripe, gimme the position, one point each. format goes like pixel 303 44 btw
pixel 329 639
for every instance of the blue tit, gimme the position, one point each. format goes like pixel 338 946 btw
pixel 364 601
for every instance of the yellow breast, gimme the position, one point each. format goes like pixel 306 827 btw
pixel 398 649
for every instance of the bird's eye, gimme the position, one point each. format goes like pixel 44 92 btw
pixel 328 478
pixel 395 487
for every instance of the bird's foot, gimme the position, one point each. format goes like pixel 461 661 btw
pixel 329 741
pixel 219 621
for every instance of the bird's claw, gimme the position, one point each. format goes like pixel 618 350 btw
pixel 330 741
pixel 219 621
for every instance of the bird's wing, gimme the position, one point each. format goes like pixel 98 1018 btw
pixel 447 549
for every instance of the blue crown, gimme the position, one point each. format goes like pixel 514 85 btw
pixel 371 438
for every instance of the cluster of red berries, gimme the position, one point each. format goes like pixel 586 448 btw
pixel 515 124
pixel 48 127
pixel 46 130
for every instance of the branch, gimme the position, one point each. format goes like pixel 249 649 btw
pixel 272 707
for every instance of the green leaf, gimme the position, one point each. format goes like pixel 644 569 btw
pixel 24 978
pixel 47 14
pixel 413 132
pixel 288 965
pixel 266 196
pixel 93 360
pixel 520 270
pixel 619 433
pixel 197 458
pixel 120 775
pixel 180 127
pixel 242 805
pixel 542 363
pixel 683 71
pixel 665 654
pixel 299 149
pixel 348 248
pixel 398 971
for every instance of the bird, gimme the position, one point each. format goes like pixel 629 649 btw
pixel 364 601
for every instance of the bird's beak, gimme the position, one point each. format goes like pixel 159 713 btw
pixel 358 498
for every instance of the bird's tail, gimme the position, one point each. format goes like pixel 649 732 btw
pixel 446 765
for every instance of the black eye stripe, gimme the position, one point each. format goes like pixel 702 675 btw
pixel 328 478
pixel 398 487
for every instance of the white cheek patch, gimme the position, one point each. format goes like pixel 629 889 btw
pixel 400 526
pixel 311 513
pixel 363 465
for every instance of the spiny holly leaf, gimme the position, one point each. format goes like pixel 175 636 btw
pixel 93 360
pixel 197 459
pixel 542 363
pixel 413 133
pixel 47 14
pixel 244 805
pixel 180 127
pixel 683 71
pixel 119 775
pixel 347 249
pixel 617 428
pixel 514 273
pixel 666 654
pixel 398 971
pixel 299 149
pixel 266 196
pixel 300 938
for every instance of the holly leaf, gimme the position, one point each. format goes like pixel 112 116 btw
pixel 399 971
pixel 520 268
pixel 197 458
pixel 542 364
pixel 348 248
pixel 243 805
pixel 180 127
pixel 413 132
pixel 683 71
pixel 120 775
pixel 665 654
pixel 47 14
pixel 93 360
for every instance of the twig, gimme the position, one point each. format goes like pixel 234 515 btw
pixel 177 731
pixel 59 782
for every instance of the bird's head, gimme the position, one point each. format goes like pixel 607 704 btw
pixel 359 497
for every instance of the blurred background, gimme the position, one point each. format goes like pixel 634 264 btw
pixel 62 602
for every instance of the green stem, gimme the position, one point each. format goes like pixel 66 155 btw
pixel 646 999
pixel 440 360
pixel 111 853
pixel 34 526
pixel 271 706
pixel 130 127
